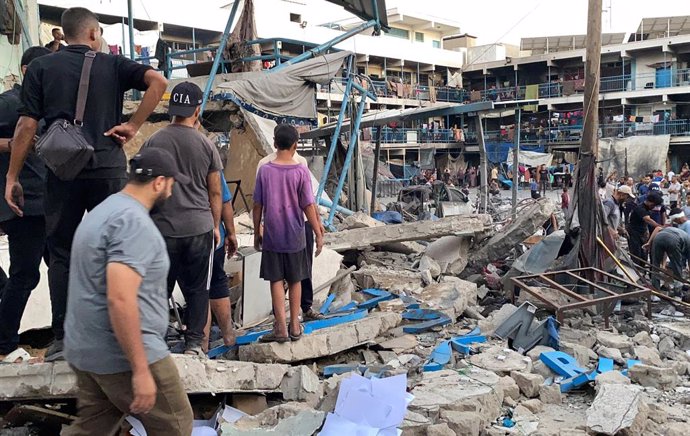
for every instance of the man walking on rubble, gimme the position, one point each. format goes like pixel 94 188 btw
pixel 190 220
pixel 49 93
pixel 26 235
pixel 307 297
pixel 118 310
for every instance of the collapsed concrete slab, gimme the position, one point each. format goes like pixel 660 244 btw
pixel 360 220
pixel 391 280
pixel 290 419
pixel 56 380
pixel 359 239
pixel 325 342
pixel 618 410
pixel 450 252
pixel 450 297
pixel 500 245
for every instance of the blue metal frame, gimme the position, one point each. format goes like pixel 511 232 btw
pixel 219 55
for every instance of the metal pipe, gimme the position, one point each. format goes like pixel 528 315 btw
pixel 327 45
pixel 130 24
pixel 516 161
pixel 336 134
pixel 194 42
pixel 325 203
pixel 348 158
pixel 219 55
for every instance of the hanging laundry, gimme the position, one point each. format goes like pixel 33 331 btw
pixel 618 118
pixel 531 93
pixel 569 87
pixel 432 94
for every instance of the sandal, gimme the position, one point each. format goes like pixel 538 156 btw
pixel 272 337
pixel 19 355
pixel 298 336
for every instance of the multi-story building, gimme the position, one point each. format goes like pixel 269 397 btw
pixel 644 87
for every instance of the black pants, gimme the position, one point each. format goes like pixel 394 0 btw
pixel 27 238
pixel 674 204
pixel 307 286
pixel 635 242
pixel 65 205
pixel 190 266
pixel 219 280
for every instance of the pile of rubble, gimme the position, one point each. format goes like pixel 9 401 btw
pixel 419 337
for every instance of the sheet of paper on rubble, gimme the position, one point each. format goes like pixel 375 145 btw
pixel 367 407
pixel 200 427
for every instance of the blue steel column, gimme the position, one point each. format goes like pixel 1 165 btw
pixel 336 134
pixel 348 158
pixel 219 55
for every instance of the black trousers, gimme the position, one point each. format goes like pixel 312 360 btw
pixel 190 266
pixel 635 242
pixel 307 286
pixel 65 205
pixel 27 238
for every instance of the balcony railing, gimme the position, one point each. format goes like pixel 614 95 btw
pixel 566 134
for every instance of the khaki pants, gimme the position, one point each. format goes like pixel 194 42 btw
pixel 104 400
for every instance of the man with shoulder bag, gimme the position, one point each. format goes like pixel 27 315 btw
pixel 83 145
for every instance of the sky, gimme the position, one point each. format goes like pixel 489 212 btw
pixel 509 20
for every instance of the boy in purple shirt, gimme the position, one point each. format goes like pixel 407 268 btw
pixel 282 195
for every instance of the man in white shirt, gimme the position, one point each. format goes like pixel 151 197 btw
pixel 674 191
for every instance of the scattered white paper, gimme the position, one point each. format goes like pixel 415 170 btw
pixel 369 407
pixel 200 427
pixel 231 415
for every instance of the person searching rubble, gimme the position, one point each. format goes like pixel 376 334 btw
pixel 640 218
pixel 674 243
pixel 117 314
pixel 282 196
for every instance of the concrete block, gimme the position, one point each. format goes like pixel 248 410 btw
pixel 647 355
pixel 288 419
pixel 611 378
pixel 612 340
pixel 618 410
pixel 501 360
pixel 251 404
pixel 440 430
pixel 534 405
pixel 581 353
pixel 550 394
pixel 509 387
pixel 535 352
pixel 449 390
pixel 56 380
pixel 528 383
pixel 462 423
pixel 653 376
pixel 450 298
pixel 643 338
pixel 324 342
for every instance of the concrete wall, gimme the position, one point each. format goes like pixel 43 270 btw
pixel 486 53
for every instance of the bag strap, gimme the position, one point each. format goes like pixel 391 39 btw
pixel 83 92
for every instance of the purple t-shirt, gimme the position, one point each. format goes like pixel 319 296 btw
pixel 284 191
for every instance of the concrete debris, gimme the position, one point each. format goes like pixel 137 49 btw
pixel 582 354
pixel 647 355
pixel 450 252
pixel 361 238
pixel 426 263
pixel 321 343
pixel 502 243
pixel 611 378
pixel 501 360
pixel 462 423
pixel 654 376
pixel 396 281
pixel 643 338
pixel 290 419
pixel 450 298
pixel 550 394
pixel 400 344
pixel 509 387
pixel 612 340
pixel 440 430
pixel 618 410
pixel 611 353
pixel 529 383
pixel 491 323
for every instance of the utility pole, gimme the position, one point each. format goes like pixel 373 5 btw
pixel 483 166
pixel 588 205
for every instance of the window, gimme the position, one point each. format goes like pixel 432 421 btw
pixel 419 36
pixel 399 33
pixel 296 18
pixel 436 44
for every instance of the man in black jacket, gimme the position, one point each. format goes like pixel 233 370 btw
pixel 49 93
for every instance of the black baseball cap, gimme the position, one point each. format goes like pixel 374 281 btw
pixel 184 99
pixel 154 162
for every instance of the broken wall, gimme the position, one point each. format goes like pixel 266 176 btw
pixel 643 154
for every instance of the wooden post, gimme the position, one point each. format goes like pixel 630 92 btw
pixel 483 197
pixel 375 177
pixel 587 202
pixel 516 161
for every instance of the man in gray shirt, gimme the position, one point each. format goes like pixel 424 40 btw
pixel 674 243
pixel 117 312
pixel 190 221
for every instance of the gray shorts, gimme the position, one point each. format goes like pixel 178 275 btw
pixel 291 267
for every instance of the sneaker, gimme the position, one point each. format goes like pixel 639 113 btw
pixel 311 315
pixel 195 351
pixel 55 351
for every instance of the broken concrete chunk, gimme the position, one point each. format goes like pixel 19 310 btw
pixel 550 394
pixel 502 243
pixel 324 342
pixel 391 280
pixel 528 383
pixel 618 410
pixel 440 430
pixel 359 239
pixel 462 423
pixel 611 378
pixel 501 360
pixel 534 405
pixel 426 263
pixel 450 298
pixel 643 338
pixel 581 353
pixel 612 340
pixel 400 344
pixel 611 353
pixel 647 355
pixel 359 220
pixel 451 253
pixel 450 390
pixel 653 376
pixel 535 352
pixel 251 404
pixel 509 387
pixel 666 346
pixel 285 420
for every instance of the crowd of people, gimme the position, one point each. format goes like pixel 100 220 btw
pixel 119 235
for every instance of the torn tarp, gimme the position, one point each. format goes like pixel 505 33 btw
pixel 289 93
pixel 531 158
pixel 635 155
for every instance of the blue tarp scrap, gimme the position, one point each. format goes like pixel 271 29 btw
pixel 497 152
